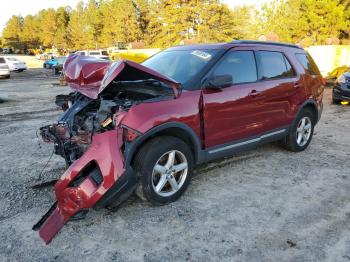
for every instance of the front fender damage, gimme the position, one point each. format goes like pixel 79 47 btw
pixel 106 153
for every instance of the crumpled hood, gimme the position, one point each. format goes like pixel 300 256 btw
pixel 90 76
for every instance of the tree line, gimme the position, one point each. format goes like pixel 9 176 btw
pixel 163 23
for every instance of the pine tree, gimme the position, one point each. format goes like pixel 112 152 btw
pixel 78 29
pixel 120 22
pixel 308 21
pixel 62 20
pixel 48 27
pixel 30 32
pixel 12 31
pixel 93 20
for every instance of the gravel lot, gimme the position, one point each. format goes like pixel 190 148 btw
pixel 262 205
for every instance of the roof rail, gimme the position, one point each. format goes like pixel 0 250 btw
pixel 252 42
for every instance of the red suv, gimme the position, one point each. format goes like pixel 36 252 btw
pixel 130 127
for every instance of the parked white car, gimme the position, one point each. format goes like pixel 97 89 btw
pixel 103 54
pixel 4 68
pixel 15 64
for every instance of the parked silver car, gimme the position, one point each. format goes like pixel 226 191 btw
pixel 4 68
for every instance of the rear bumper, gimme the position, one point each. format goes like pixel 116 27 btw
pixel 4 72
pixel 339 94
pixel 105 152
pixel 18 68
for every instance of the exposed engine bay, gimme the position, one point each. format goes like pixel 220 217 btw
pixel 84 116
pixel 91 137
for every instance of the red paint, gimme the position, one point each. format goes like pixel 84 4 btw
pixel 105 151
pixel 90 76
pixel 228 114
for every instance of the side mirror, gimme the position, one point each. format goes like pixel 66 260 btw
pixel 219 81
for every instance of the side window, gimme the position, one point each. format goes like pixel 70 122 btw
pixel 274 65
pixel 240 65
pixel 308 63
pixel 2 60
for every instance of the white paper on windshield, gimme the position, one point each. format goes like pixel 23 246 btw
pixel 201 54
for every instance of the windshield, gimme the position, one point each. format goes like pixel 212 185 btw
pixel 180 65
pixel 94 53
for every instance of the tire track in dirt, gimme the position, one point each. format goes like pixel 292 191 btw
pixel 28 115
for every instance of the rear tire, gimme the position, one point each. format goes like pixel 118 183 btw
pixel 164 165
pixel 301 132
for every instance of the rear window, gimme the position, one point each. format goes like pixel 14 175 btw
pixel 94 53
pixel 308 63
pixel 274 65
pixel 2 60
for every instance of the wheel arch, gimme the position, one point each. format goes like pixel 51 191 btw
pixel 311 105
pixel 175 129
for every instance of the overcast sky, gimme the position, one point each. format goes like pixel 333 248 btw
pixel 25 7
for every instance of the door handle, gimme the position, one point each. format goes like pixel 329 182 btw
pixel 254 93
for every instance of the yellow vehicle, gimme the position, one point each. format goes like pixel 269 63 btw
pixel 120 52
pixel 334 74
pixel 136 55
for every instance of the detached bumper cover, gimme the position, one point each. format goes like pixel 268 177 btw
pixel 105 151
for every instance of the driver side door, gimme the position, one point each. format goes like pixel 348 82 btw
pixel 231 113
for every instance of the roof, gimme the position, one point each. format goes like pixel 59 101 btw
pixel 252 42
pixel 201 46
pixel 230 44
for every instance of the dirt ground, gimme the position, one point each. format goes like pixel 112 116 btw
pixel 263 205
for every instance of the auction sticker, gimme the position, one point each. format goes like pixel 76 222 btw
pixel 201 54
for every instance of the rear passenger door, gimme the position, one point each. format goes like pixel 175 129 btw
pixel 279 86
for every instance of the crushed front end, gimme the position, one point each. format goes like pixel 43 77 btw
pixel 91 142
pixel 91 137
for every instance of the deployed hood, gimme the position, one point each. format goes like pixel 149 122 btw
pixel 90 76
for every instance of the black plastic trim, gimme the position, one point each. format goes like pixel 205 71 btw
pixel 228 149
pixel 42 220
pixel 131 148
pixel 125 185
pixel 252 42
pixel 314 104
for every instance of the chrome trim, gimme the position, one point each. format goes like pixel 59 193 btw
pixel 273 133
pixel 247 142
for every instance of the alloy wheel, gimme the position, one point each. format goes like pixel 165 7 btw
pixel 169 173
pixel 304 130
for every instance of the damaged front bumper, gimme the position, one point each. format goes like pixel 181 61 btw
pixel 96 179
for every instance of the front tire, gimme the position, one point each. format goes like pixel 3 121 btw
pixel 165 166
pixel 301 132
